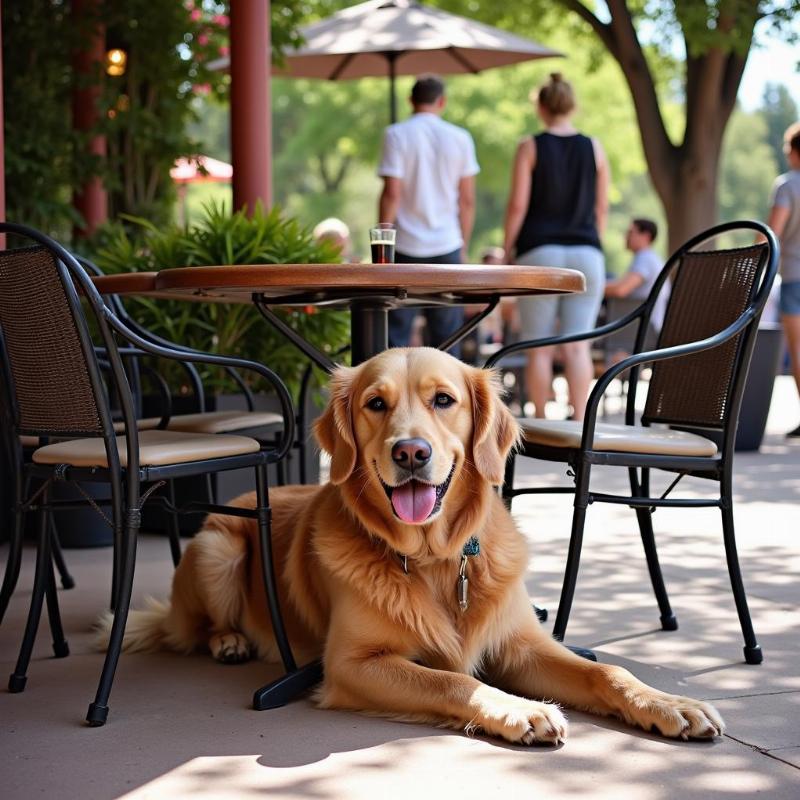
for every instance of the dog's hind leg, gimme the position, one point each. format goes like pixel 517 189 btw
pixel 221 561
pixel 230 648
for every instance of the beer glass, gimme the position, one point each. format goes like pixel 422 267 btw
pixel 381 241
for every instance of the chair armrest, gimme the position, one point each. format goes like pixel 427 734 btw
pixel 661 354
pixel 163 388
pixel 196 356
pixel 197 384
pixel 594 333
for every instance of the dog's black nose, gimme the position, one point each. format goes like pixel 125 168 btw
pixel 411 453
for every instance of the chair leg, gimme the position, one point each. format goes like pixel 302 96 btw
pixel 295 681
pixel 210 488
pixel 280 469
pixel 60 646
pixel 669 621
pixel 752 650
pixel 98 710
pixel 173 527
pixel 581 502
pixel 116 568
pixel 14 555
pixel 508 480
pixel 268 569
pixel 508 485
pixel 67 581
pixel 18 679
pixel 302 454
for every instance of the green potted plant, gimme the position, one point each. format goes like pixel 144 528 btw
pixel 218 238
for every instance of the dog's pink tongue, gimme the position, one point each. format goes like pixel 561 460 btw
pixel 413 501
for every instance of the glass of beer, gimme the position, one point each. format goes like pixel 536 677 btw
pixel 381 240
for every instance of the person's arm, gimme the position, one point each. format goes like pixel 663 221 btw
pixel 778 217
pixel 601 191
pixel 624 285
pixel 520 193
pixel 390 199
pixel 466 210
pixel 391 170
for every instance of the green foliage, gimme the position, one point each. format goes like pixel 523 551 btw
pixel 145 114
pixel 779 111
pixel 747 168
pixel 38 140
pixel 327 135
pixel 221 238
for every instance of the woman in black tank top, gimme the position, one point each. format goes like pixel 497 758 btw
pixel 556 214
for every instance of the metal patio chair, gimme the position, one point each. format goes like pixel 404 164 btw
pixel 57 392
pixel 699 367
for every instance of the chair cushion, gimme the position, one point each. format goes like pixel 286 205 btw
pixel 155 448
pixel 206 422
pixel 148 424
pixel 223 421
pixel 617 438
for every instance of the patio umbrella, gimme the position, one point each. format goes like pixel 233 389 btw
pixel 201 169
pixel 197 169
pixel 401 37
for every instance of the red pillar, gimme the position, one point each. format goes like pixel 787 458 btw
pixel 251 120
pixel 91 200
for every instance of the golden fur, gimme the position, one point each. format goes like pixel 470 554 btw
pixel 396 643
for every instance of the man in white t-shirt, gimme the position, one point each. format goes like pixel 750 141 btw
pixel 428 168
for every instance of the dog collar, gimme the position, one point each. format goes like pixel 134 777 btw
pixel 471 548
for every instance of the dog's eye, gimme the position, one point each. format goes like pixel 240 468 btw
pixel 376 404
pixel 443 400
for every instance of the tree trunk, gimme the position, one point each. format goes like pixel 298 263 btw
pixel 684 175
pixel 691 205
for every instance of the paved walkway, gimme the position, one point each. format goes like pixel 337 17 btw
pixel 181 726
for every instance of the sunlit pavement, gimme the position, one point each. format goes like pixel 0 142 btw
pixel 182 725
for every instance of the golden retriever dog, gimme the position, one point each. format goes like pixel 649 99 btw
pixel 374 576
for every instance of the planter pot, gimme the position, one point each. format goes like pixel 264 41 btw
pixel 78 527
pixel 757 394
pixel 758 389
pixel 82 527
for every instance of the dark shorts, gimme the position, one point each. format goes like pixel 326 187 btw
pixel 441 321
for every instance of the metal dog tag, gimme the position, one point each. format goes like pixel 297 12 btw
pixel 462 587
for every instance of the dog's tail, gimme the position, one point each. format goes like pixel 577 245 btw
pixel 145 630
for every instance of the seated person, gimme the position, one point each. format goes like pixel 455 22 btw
pixel 623 294
pixel 337 232
pixel 645 266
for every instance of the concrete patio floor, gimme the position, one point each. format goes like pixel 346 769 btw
pixel 182 726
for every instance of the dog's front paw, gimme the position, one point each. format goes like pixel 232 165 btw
pixel 519 720
pixel 676 717
pixel 230 648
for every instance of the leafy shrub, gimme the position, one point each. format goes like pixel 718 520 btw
pixel 219 238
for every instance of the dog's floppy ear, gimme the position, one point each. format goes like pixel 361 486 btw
pixel 494 429
pixel 334 429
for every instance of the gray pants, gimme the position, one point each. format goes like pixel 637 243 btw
pixel 545 315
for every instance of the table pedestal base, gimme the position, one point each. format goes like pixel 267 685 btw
pixel 288 687
pixel 369 331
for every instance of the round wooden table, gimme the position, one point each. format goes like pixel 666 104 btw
pixel 370 291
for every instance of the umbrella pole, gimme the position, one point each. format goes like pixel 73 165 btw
pixel 392 57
